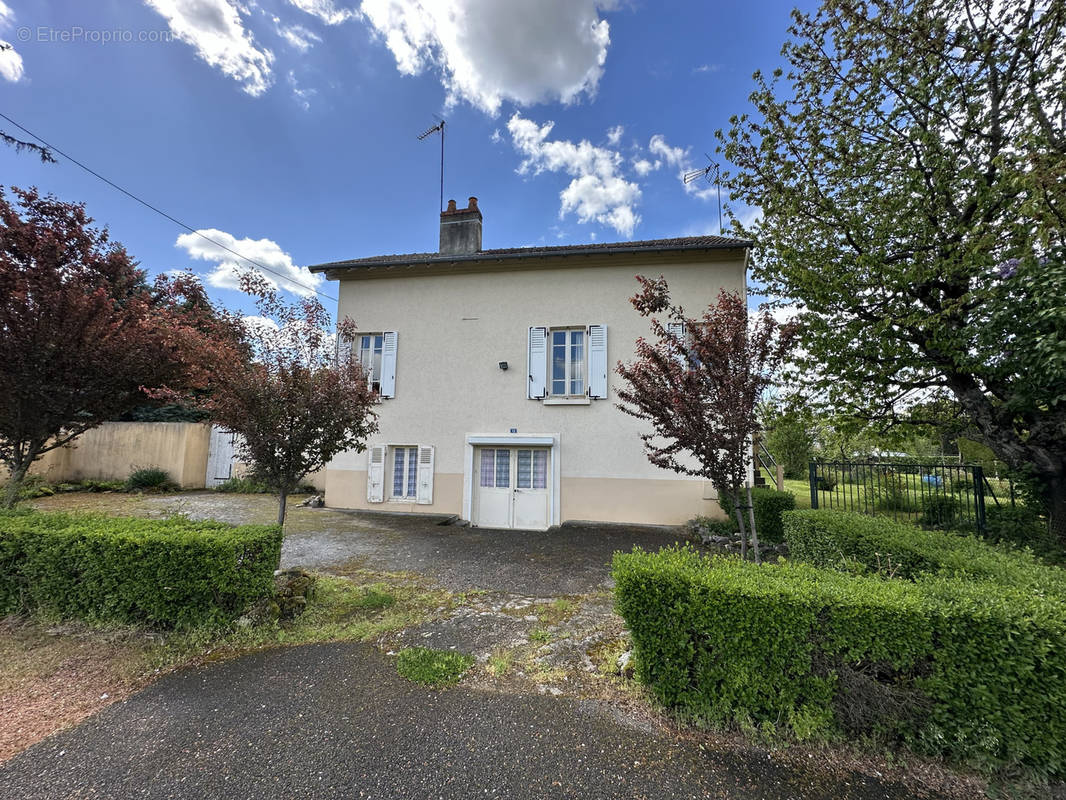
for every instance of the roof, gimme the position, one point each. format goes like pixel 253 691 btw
pixel 646 246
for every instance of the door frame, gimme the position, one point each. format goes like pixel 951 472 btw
pixel 549 440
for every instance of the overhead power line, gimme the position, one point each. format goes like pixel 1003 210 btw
pixel 162 213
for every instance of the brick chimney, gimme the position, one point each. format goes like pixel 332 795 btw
pixel 460 229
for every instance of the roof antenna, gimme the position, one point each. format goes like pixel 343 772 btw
pixel 696 174
pixel 422 136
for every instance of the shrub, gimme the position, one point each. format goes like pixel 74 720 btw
pixel 252 484
pixel 826 483
pixel 1017 525
pixel 143 478
pixel 940 511
pixel 951 666
pixel 840 538
pixel 432 667
pixel 769 505
pixel 164 573
pixel 242 485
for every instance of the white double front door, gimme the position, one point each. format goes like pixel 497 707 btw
pixel 512 487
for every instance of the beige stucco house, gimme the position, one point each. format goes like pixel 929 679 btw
pixel 496 369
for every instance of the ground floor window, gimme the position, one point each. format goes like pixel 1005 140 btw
pixel 404 472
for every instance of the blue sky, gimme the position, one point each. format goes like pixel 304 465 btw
pixel 287 129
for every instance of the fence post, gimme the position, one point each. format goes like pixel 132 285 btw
pixel 780 478
pixel 813 477
pixel 979 496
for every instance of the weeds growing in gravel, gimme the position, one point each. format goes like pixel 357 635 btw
pixel 432 667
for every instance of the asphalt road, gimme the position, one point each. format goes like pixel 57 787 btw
pixel 336 721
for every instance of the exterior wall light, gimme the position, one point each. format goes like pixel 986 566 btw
pixel 503 365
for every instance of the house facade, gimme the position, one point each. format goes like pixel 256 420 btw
pixel 496 371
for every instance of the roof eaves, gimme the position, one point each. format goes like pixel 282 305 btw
pixel 425 259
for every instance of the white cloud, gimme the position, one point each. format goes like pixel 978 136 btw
pixel 708 68
pixel 598 192
pixel 326 11
pixel 673 156
pixel 614 135
pixel 297 36
pixel 10 61
pixel 496 137
pixel 664 153
pixel 489 51
pixel 285 274
pixel 642 166
pixel 680 158
pixel 215 30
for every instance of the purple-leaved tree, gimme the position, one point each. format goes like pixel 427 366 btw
pixel 697 383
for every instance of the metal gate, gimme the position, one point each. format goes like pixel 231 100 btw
pixel 942 496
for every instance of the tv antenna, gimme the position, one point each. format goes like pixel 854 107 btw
pixel 422 137
pixel 696 174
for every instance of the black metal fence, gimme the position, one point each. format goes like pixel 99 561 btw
pixel 943 496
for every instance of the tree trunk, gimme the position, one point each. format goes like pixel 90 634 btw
pixel 283 497
pixel 754 533
pixel 1055 502
pixel 740 520
pixel 14 484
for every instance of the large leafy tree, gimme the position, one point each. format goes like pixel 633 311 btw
pixel 82 334
pixel 910 164
pixel 697 385
pixel 297 401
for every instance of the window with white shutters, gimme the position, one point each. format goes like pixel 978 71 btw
pixel 400 472
pixel 377 354
pixel 567 363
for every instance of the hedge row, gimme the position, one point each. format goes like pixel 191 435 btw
pixel 842 539
pixel 768 505
pixel 165 573
pixel 969 669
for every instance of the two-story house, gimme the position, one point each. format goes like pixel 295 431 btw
pixel 496 372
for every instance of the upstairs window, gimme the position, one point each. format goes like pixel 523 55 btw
pixel 371 346
pixel 377 354
pixel 567 363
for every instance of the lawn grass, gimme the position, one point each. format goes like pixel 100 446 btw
pixel 432 667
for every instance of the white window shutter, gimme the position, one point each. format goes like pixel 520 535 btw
pixel 388 364
pixel 677 331
pixel 598 361
pixel 425 475
pixel 375 475
pixel 537 363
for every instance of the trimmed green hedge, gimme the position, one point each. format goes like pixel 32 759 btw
pixel 768 505
pixel 165 573
pixel 973 670
pixel 847 540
